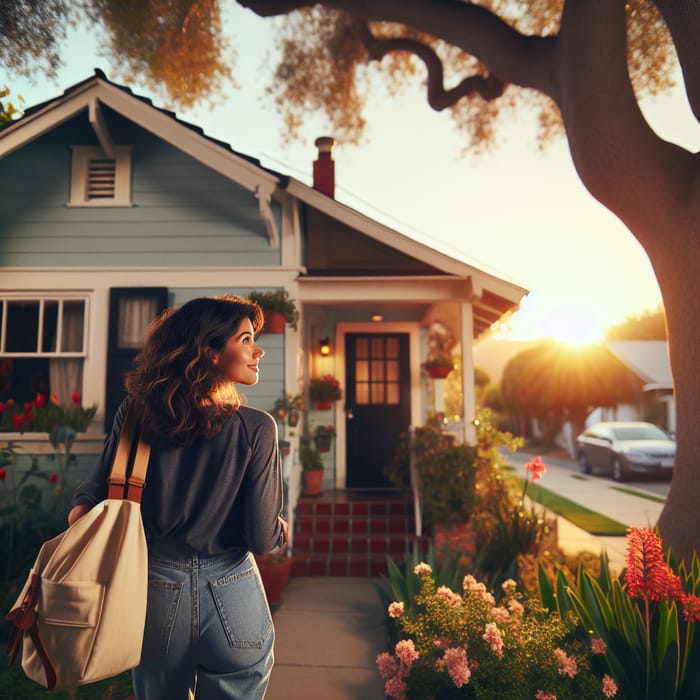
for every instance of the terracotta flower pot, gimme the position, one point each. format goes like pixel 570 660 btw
pixel 313 478
pixel 275 576
pixel 274 322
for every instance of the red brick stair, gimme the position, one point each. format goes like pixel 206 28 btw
pixel 350 535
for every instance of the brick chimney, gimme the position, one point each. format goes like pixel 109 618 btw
pixel 324 167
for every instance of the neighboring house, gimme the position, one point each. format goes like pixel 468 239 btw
pixel 112 209
pixel 648 359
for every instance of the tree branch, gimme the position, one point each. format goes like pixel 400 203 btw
pixel 488 87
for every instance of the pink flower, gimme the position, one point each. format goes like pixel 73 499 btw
pixel 609 686
pixel 493 638
pixel 396 609
pixel 598 646
pixel 387 665
pixel 3 407
pixel 516 607
pixel 448 594
pixel 541 695
pixel 567 664
pixel 509 586
pixel 500 614
pixel 422 568
pixel 646 574
pixel 3 474
pixel 536 468
pixel 395 688
pixel 406 652
pixel 53 478
pixel 442 642
pixel 40 400
pixel 456 661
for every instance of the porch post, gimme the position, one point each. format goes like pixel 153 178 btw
pixel 467 347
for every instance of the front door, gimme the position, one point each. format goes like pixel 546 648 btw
pixel 378 408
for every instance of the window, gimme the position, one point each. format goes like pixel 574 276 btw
pixel 99 181
pixel 43 342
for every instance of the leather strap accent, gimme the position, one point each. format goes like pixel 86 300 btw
pixel 128 475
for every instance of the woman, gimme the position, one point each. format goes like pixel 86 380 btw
pixel 213 495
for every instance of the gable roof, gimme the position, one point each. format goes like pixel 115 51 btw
pixel 646 358
pixel 491 295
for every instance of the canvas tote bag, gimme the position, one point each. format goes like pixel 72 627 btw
pixel 81 613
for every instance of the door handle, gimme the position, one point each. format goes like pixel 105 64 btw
pixel 349 414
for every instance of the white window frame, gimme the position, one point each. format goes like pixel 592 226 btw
pixel 42 298
pixel 82 155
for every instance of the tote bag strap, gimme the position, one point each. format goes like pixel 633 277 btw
pixel 128 475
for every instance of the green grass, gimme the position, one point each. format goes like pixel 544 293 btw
pixel 588 520
pixel 640 494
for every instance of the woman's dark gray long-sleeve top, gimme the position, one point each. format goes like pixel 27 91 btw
pixel 215 494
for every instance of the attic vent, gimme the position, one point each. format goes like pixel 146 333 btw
pixel 101 178
pixel 98 181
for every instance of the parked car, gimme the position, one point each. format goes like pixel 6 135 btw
pixel 622 448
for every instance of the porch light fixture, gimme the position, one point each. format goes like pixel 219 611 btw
pixel 376 318
pixel 325 346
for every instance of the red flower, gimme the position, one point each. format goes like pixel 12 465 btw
pixel 18 421
pixel 691 608
pixel 76 398
pixel 3 474
pixel 28 406
pixel 53 478
pixel 646 574
pixel 40 400
pixel 29 416
pixel 10 403
pixel 536 468
pixel 3 407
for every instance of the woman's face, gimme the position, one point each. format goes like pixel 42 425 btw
pixel 238 360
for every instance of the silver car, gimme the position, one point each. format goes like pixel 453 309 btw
pixel 625 447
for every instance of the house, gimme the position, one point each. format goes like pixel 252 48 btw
pixel 113 209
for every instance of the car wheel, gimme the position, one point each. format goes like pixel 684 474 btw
pixel 583 466
pixel 618 471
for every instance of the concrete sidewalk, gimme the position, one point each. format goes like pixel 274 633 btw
pixel 330 630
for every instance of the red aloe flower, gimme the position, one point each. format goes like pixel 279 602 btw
pixel 646 574
pixel 536 468
pixel 40 400
pixel 691 608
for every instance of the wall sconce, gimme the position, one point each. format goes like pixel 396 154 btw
pixel 325 346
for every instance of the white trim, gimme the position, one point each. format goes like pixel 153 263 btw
pixel 341 329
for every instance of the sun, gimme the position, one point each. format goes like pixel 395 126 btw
pixel 569 323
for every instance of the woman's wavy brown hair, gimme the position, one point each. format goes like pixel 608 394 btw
pixel 173 376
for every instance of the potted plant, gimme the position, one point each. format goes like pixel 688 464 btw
pixel 323 436
pixel 274 571
pixel 312 469
pixel 279 309
pixel 324 390
pixel 438 363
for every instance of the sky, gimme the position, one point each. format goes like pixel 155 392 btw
pixel 516 212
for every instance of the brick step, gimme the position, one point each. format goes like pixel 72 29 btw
pixel 330 525
pixel 339 565
pixel 305 542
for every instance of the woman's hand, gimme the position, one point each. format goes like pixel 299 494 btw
pixel 77 512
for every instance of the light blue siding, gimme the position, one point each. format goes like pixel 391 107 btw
pixel 183 213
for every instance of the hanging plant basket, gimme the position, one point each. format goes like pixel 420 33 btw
pixel 274 322
pixel 438 371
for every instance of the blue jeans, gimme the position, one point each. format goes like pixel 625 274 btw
pixel 208 627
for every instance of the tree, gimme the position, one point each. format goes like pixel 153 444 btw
pixel 650 325
pixel 556 382
pixel 583 61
